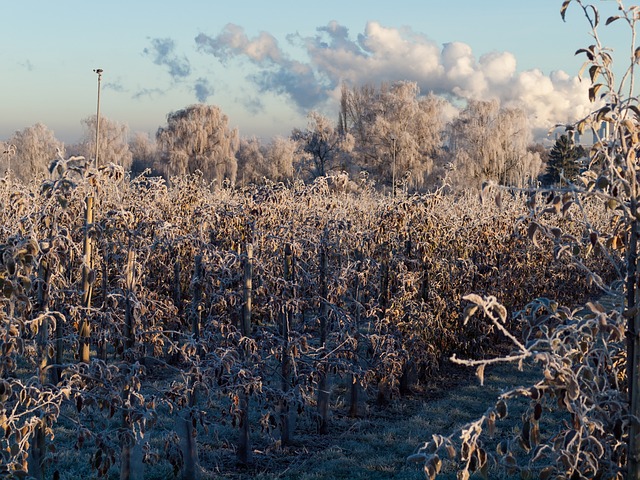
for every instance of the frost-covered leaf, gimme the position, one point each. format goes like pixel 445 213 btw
pixel 474 298
pixel 480 373
pixel 563 9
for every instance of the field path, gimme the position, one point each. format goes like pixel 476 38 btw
pixel 377 445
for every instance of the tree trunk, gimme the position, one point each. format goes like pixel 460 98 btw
pixel 87 284
pixel 197 297
pixel 285 373
pixel 131 464
pixel 129 327
pixel 354 397
pixel 177 301
pixel 188 432
pixel 323 382
pixel 285 370
pixel 247 292
pixel 37 464
pixel 188 435
pixel 244 444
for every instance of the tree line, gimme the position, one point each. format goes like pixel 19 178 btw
pixel 391 134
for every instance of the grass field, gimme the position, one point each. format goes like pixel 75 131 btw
pixel 374 446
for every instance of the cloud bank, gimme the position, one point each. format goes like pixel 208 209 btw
pixel 382 54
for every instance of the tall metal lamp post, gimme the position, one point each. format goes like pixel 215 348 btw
pixel 99 72
pixel 84 351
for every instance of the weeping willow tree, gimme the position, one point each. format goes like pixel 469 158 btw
pixel 397 130
pixel 257 161
pixel 113 143
pixel 490 143
pixel 35 148
pixel 198 137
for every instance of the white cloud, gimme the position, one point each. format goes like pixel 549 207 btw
pixel 388 54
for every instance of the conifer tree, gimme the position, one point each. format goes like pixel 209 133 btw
pixel 563 161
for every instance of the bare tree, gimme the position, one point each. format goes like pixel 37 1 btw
pixel 198 137
pixel 323 143
pixel 35 148
pixel 356 110
pixel 490 143
pixel 113 142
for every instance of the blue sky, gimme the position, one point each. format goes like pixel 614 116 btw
pixel 267 63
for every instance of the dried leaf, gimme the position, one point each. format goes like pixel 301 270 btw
pixel 502 312
pixel 546 473
pixel 525 435
pixel 612 19
pixel 537 411
pixel 469 311
pixel 491 423
pixel 451 451
pixel 474 298
pixel 416 458
pixel 503 447
pixel 534 434
pixel 593 92
pixel 573 389
pixel 480 373
pixel 563 9
pixel 501 409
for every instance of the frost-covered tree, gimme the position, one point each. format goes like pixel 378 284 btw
pixel 357 111
pixel 490 143
pixel 273 161
pixel 323 143
pixel 113 145
pixel 251 161
pixel 198 137
pixel 398 131
pixel 280 157
pixel 143 152
pixel 34 149
pixel 563 160
pixel 407 133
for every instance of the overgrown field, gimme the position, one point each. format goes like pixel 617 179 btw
pixel 188 330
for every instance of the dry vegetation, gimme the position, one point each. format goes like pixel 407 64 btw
pixel 355 301
pixel 293 330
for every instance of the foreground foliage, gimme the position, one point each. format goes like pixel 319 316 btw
pixel 246 307
pixel 583 416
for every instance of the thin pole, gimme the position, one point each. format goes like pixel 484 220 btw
pixel 393 179
pixel 99 72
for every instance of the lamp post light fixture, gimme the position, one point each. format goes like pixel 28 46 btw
pixel 99 72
